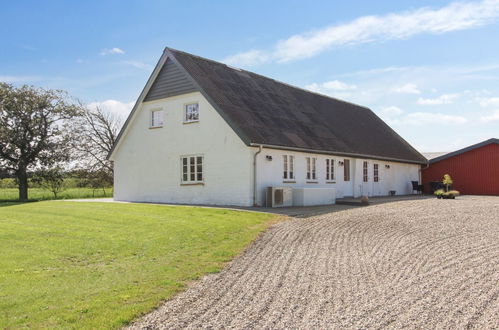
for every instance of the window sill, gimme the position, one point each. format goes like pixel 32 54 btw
pixel 191 122
pixel 312 181
pixel 288 181
pixel 330 181
pixel 154 127
pixel 192 184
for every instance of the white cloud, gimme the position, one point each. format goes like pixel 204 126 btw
pixel 329 87
pixel 494 116
pixel 453 17
pixel 139 65
pixel 407 89
pixel 112 51
pixel 442 99
pixel 491 101
pixel 391 112
pixel 118 108
pixel 428 118
pixel 19 79
pixel 249 58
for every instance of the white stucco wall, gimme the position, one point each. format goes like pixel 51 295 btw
pixel 147 161
pixel 397 177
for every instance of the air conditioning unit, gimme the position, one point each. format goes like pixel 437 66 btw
pixel 279 196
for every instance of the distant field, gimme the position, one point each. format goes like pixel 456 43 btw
pixel 99 265
pixel 12 194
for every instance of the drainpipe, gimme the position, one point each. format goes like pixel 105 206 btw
pixel 421 168
pixel 254 175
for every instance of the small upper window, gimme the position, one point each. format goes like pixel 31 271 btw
pixel 191 113
pixel 157 118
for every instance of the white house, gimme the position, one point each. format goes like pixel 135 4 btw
pixel 203 132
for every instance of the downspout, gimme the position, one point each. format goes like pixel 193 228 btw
pixel 254 175
pixel 421 168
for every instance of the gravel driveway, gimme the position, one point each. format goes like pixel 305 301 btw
pixel 420 264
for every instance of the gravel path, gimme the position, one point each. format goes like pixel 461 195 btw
pixel 391 265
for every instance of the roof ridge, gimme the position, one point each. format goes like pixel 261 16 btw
pixel 269 78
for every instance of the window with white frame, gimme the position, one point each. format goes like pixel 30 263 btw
pixel 364 172
pixel 192 169
pixel 376 173
pixel 346 170
pixel 288 167
pixel 330 169
pixel 191 113
pixel 311 168
pixel 157 118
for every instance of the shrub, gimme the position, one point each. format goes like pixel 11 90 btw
pixel 447 181
pixel 439 192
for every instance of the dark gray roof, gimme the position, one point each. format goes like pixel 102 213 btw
pixel 269 112
pixel 460 151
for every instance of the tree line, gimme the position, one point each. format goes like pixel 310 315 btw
pixel 45 134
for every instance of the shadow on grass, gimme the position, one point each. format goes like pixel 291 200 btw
pixel 10 202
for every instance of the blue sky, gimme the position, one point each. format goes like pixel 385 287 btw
pixel 429 68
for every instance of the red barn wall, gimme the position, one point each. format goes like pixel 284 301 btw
pixel 474 172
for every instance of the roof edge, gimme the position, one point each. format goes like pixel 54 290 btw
pixel 463 150
pixel 326 152
pixel 140 99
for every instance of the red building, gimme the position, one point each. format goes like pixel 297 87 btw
pixel 474 170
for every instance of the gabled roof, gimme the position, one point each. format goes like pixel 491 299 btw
pixel 461 151
pixel 263 111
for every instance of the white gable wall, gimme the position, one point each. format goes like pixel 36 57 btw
pixel 397 177
pixel 147 161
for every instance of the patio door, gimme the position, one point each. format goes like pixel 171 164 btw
pixel 367 182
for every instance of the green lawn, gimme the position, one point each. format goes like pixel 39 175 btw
pixel 100 265
pixel 12 194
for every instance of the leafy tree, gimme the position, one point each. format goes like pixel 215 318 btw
pixel 34 130
pixel 51 179
pixel 447 181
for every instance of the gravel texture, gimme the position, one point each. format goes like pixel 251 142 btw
pixel 424 263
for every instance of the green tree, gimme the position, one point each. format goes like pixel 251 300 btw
pixel 51 179
pixel 447 181
pixel 34 130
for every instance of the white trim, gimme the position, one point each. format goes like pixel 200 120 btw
pixel 186 121
pixel 151 117
pixel 189 173
pixel 288 168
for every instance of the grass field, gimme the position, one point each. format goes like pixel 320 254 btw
pixel 100 265
pixel 12 194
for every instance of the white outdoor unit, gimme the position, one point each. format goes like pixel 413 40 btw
pixel 279 196
pixel 314 196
